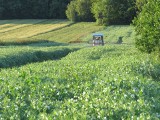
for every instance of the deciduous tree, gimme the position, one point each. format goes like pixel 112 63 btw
pixel 147 26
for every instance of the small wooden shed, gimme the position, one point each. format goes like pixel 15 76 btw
pixel 98 39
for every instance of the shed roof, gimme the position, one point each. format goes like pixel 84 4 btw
pixel 97 34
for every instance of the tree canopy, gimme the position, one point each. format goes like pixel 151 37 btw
pixel 104 11
pixel 21 9
pixel 79 10
pixel 147 26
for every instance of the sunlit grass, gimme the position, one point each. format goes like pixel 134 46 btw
pixel 8 25
pixel 74 32
pixel 33 29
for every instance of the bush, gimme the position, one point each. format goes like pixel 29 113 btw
pixel 109 12
pixel 79 10
pixel 147 26
pixel 71 11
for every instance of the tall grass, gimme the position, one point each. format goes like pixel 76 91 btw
pixel 109 82
pixel 100 83
pixel 20 55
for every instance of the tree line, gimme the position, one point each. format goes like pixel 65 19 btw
pixel 33 9
pixel 103 11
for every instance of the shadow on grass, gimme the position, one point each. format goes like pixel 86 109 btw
pixel 35 56
pixel 35 43
pixel 31 21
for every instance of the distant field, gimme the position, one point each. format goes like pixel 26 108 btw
pixel 51 30
pixel 74 32
pixel 30 28
pixel 8 25
pixel 60 31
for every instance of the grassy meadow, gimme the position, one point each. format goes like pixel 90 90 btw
pixel 44 76
pixel 49 30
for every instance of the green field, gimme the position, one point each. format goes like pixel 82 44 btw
pixel 50 30
pixel 44 77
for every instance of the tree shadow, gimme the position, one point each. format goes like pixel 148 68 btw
pixel 24 58
pixel 35 43
pixel 32 21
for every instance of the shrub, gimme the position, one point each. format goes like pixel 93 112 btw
pixel 147 26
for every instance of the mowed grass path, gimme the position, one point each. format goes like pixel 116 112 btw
pixel 71 33
pixel 8 25
pixel 30 28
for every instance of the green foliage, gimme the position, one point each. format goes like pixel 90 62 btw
pixel 100 12
pixel 148 27
pixel 33 9
pixel 71 11
pixel 109 82
pixel 140 4
pixel 113 12
pixel 83 8
pixel 57 8
pixel 23 55
pixel 103 82
pixel 104 11
pixel 79 10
